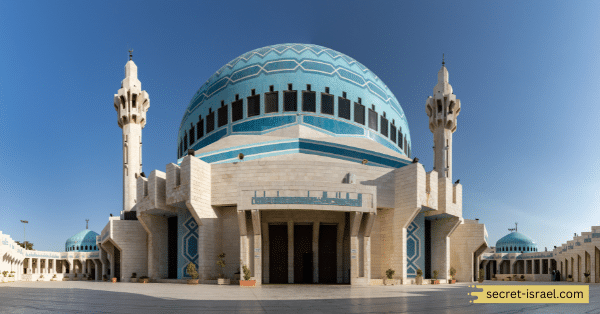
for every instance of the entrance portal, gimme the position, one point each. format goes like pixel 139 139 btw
pixel 327 254
pixel 278 254
pixel 303 261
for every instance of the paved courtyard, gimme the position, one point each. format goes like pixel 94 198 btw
pixel 103 297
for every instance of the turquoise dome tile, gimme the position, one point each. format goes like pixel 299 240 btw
pixel 79 241
pixel 515 242
pixel 299 65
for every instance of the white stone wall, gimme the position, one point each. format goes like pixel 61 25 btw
pixel 466 242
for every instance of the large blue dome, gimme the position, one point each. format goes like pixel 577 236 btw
pixel 84 241
pixel 274 87
pixel 515 242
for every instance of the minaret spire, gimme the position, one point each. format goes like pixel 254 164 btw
pixel 131 104
pixel 86 223
pixel 442 109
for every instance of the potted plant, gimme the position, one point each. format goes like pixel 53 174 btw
pixel 247 282
pixel 587 276
pixel 494 277
pixel 481 275
pixel 191 270
pixel 389 280
pixel 419 278
pixel 41 278
pixel 452 273
pixel 11 277
pixel 435 280
pixel 570 278
pixel 514 277
pixel 133 277
pixel 522 278
pixel 114 279
pixel 144 279
pixel 75 276
pixel 53 278
pixel 5 276
pixel 221 262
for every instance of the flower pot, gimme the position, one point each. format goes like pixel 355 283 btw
pixel 480 280
pixel 451 281
pixel 248 283
pixel 435 282
pixel 494 279
pixel 192 281
pixel 223 281
pixel 114 279
pixel 419 280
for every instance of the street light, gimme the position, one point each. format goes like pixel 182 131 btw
pixel 24 241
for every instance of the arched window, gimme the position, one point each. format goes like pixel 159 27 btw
pixel 86 247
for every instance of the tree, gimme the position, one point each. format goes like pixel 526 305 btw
pixel 29 245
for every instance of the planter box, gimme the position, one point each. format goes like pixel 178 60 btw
pixel 134 279
pixel 192 281
pixel 570 279
pixel 114 279
pixel 435 282
pixel 451 281
pixel 223 281
pixel 390 282
pixel 248 283
pixel 480 280
pixel 419 280
pixel 145 280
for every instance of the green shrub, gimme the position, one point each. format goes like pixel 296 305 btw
pixel 419 272
pixel 390 273
pixel 191 270
pixel 247 274
pixel 435 274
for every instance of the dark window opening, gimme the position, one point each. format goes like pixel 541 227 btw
pixel 309 100
pixel 223 115
pixel 192 134
pixel 237 110
pixel 439 105
pixel 290 100
pixel 326 102
pixel 210 122
pixel 200 128
pixel 253 105
pixel 344 108
pixel 372 119
pixel 405 147
pixel 271 101
pixel 344 95
pixel 384 126
pixel 359 113
pixel 133 100
pixel 400 138
pixel 393 133
pixel 185 142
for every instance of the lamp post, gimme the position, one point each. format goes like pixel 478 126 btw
pixel 24 241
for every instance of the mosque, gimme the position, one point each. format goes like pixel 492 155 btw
pixel 294 160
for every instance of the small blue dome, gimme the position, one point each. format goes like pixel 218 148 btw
pixel 84 241
pixel 515 242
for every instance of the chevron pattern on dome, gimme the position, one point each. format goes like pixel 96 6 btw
pixel 220 80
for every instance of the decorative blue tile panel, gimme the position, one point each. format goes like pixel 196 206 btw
pixel 595 235
pixel 262 124
pixel 187 239
pixel 415 246
pixel 308 200
pixel 587 240
pixel 211 138
pixel 333 126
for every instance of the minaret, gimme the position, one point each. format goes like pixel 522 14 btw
pixel 442 110
pixel 131 104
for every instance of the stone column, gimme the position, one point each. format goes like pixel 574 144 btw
pixel 290 251
pixel 315 250
pixel 257 246
pixel 367 248
pixel 243 241
pixel 83 267
pixel 98 273
pixel 355 219
pixel 340 252
pixel 38 265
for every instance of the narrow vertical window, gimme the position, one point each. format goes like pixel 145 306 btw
pixel 326 102
pixel 210 121
pixel 185 142
pixel 384 125
pixel 290 99
pixel 237 109
pixel 393 133
pixel 344 107
pixel 309 100
pixel 400 138
pixel 223 115
pixel 200 128
pixel 271 100
pixel 254 104
pixel 372 119
pixel 359 113
pixel 192 134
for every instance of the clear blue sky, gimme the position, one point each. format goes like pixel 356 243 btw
pixel 527 74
